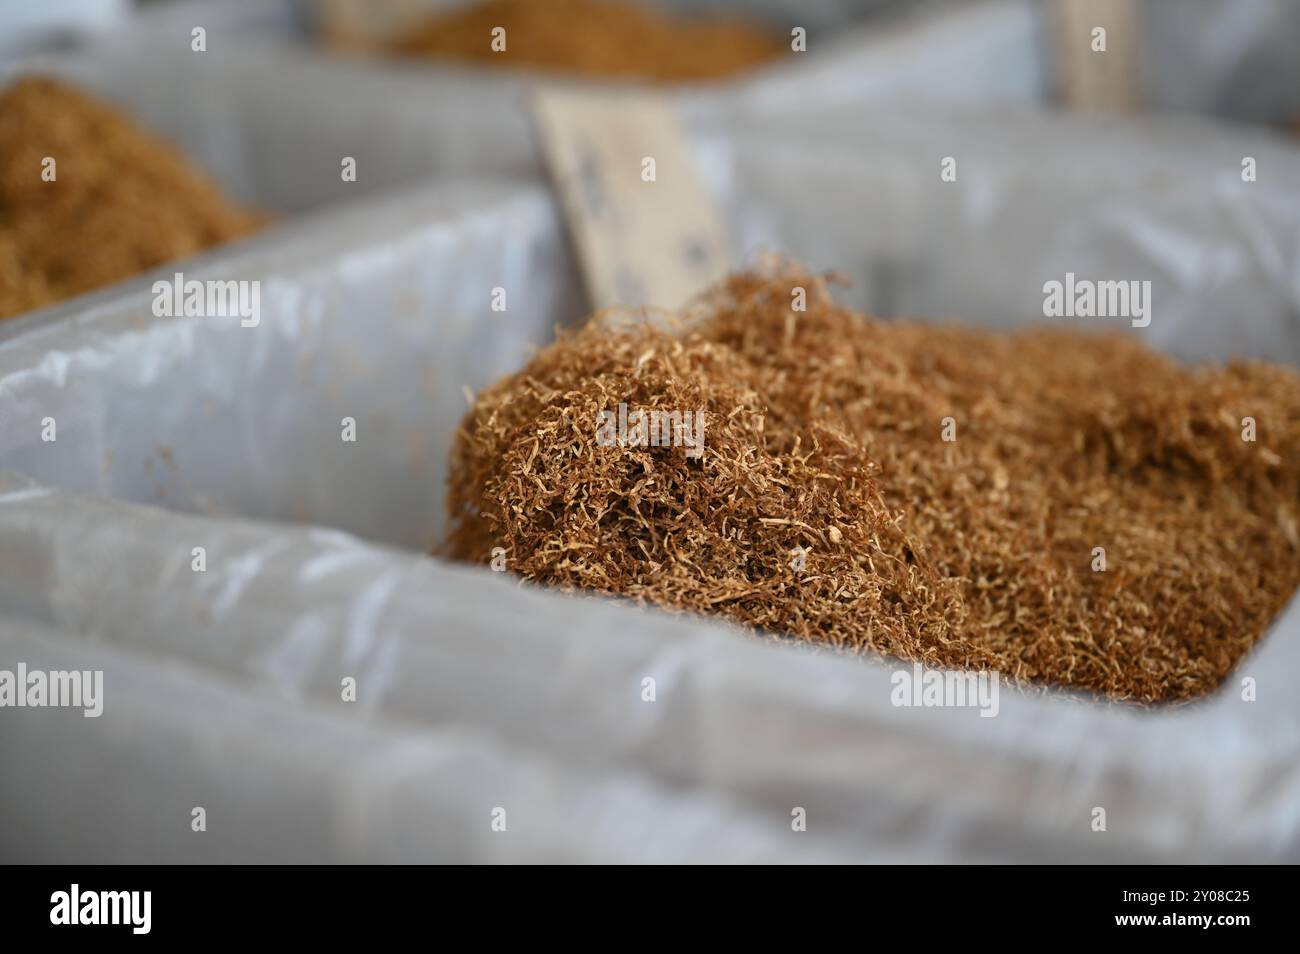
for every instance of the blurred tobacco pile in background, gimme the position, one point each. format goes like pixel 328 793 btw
pixel 606 38
pixel 823 434
pixel 117 201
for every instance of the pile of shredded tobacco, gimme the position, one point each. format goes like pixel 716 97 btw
pixel 603 38
pixel 827 505
pixel 87 197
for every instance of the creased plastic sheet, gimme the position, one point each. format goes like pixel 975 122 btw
pixel 281 781
pixel 379 313
pixel 240 667
pixel 1223 57
pixel 1037 195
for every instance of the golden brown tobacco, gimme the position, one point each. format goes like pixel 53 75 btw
pixel 824 432
pixel 122 201
pixel 595 38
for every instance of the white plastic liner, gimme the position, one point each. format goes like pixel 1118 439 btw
pixel 222 690
pixel 282 781
pixel 380 313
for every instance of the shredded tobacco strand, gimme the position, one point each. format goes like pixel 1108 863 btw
pixel 824 436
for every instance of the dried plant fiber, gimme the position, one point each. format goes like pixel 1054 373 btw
pixel 116 200
pixel 824 435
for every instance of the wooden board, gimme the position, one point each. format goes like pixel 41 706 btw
pixel 639 242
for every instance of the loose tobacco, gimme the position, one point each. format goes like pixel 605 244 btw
pixel 604 38
pixel 827 506
pixel 88 198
